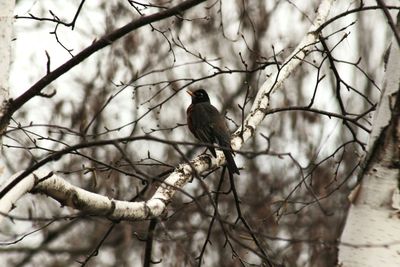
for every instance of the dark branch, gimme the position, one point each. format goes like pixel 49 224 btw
pixel 104 41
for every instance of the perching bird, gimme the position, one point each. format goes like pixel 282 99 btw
pixel 209 126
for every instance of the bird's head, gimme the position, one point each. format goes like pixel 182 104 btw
pixel 198 96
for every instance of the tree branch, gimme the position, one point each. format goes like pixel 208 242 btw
pixel 56 187
pixel 104 41
pixel 392 24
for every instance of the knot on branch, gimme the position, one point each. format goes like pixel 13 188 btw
pixel 6 110
pixel 154 210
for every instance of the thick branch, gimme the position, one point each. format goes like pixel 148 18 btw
pixel 92 204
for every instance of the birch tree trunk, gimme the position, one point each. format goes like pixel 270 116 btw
pixel 6 23
pixel 371 236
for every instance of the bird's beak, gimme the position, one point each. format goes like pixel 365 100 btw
pixel 190 92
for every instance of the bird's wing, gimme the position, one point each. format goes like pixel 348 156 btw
pixel 202 115
pixel 215 125
pixel 221 132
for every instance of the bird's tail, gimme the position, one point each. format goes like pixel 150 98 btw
pixel 230 162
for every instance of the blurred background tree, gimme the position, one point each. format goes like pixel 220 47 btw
pixel 297 170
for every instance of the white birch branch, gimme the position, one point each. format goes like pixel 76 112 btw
pixel 156 205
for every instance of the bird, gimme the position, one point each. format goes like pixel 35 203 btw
pixel 209 126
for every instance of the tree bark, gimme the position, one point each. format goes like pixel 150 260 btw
pixel 371 236
pixel 6 26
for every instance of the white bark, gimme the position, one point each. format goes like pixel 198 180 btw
pixel 6 24
pixel 75 197
pixel 156 205
pixel 371 236
pixel 276 78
